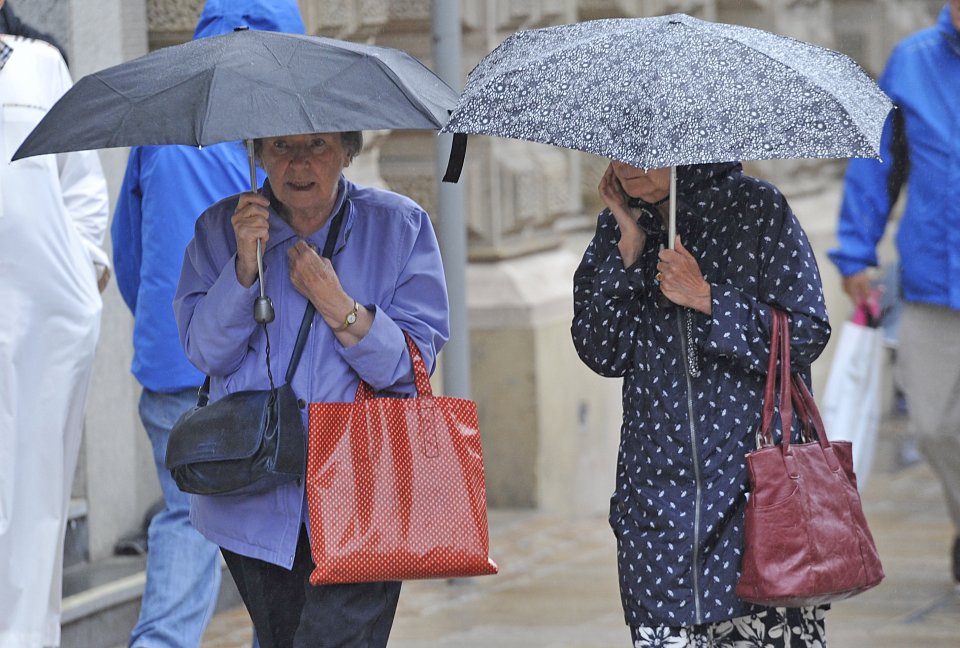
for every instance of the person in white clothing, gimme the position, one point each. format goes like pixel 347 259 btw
pixel 53 216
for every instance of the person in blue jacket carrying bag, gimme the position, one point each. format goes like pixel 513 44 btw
pixel 164 190
pixel 920 149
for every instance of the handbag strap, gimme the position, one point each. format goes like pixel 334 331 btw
pixel 795 396
pixel 779 351
pixel 421 378
pixel 808 412
pixel 763 434
pixel 809 415
pixel 786 392
pixel 203 395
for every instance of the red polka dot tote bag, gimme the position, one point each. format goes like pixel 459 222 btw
pixel 395 487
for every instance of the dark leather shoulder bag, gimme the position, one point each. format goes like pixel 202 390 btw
pixel 246 442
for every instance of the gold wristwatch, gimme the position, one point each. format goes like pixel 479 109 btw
pixel 350 318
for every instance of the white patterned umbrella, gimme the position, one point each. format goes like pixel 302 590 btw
pixel 668 90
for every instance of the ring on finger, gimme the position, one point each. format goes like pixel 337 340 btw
pixel 659 276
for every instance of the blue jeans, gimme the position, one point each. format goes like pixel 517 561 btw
pixel 183 567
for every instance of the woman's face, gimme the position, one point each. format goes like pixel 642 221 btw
pixel 304 170
pixel 650 185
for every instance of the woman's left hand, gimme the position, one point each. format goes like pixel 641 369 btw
pixel 681 280
pixel 314 277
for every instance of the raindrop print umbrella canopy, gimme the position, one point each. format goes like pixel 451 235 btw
pixel 670 90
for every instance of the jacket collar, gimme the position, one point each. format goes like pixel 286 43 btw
pixel 697 184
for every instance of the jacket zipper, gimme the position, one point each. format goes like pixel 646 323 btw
pixel 696 473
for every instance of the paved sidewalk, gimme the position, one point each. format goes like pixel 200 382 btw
pixel 557 582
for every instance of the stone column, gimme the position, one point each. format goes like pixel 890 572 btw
pixel 171 22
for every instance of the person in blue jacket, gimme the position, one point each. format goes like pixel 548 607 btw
pixel 164 190
pixel 920 149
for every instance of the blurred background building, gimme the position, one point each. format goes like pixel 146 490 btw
pixel 550 426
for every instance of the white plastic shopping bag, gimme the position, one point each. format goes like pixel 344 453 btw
pixel 851 403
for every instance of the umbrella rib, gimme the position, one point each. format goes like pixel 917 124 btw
pixel 140 101
pixel 208 102
pixel 404 89
pixel 812 80
pixel 782 63
pixel 562 47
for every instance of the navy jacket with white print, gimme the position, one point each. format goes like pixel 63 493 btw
pixel 692 390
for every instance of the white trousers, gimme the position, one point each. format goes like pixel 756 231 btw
pixel 48 336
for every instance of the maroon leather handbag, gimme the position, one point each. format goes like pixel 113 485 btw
pixel 806 540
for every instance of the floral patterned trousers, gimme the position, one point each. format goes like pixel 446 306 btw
pixel 772 628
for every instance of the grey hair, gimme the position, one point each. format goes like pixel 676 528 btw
pixel 352 144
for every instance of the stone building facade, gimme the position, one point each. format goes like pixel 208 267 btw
pixel 550 426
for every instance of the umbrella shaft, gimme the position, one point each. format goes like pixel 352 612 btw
pixel 260 265
pixel 672 221
pixel 251 158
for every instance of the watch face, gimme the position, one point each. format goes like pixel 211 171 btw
pixel 351 318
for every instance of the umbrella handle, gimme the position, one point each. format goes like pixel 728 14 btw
pixel 251 158
pixel 263 312
pixel 672 220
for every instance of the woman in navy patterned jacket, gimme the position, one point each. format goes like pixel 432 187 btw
pixel 688 330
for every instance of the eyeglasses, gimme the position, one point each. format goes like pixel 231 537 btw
pixel 288 148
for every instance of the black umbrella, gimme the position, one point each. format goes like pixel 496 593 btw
pixel 241 86
pixel 670 90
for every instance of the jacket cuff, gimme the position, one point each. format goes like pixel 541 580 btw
pixel 618 283
pixel 847 266
pixel 724 333
pixel 377 355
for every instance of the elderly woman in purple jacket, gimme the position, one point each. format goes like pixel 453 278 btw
pixel 688 330
pixel 385 278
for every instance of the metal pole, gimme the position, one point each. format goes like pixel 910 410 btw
pixel 453 230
